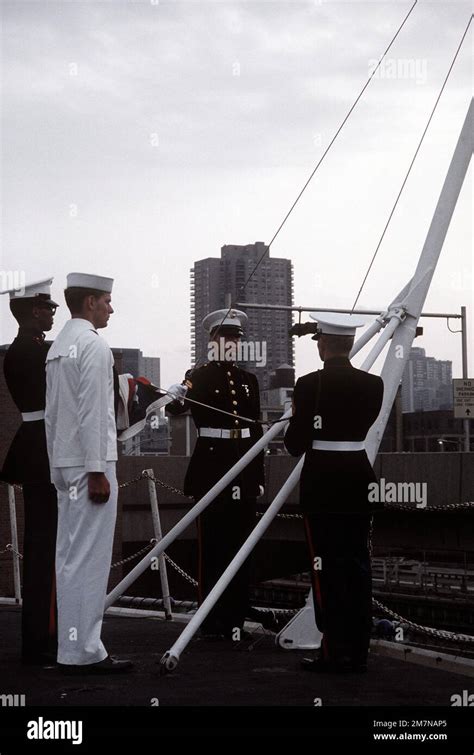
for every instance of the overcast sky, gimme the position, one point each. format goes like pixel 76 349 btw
pixel 139 137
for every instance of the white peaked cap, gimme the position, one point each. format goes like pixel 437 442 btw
pixel 337 323
pixel 85 280
pixel 225 318
pixel 39 289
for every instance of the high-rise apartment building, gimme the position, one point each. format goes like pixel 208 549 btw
pixel 133 362
pixel 426 383
pixel 235 276
pixel 151 440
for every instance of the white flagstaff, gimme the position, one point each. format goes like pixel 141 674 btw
pixel 170 659
pixel 14 536
pixel 196 510
pixel 155 513
pixel 395 319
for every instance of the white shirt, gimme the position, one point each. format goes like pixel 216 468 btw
pixel 79 416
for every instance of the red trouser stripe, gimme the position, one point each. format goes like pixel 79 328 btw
pixel 316 584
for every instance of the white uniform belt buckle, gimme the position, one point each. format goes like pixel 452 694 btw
pixel 32 416
pixel 338 445
pixel 232 433
pixel 239 432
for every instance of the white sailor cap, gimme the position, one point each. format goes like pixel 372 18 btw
pixel 85 280
pixel 336 323
pixel 40 290
pixel 227 319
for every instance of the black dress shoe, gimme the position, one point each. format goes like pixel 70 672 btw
pixel 268 619
pixel 320 666
pixel 358 668
pixel 212 636
pixel 317 666
pixel 108 666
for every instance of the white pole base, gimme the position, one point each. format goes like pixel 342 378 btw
pixel 301 632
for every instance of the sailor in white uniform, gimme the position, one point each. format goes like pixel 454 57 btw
pixel 82 450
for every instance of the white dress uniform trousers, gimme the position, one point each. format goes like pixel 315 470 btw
pixel 83 556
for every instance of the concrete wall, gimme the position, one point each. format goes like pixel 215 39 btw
pixel 282 552
pixel 449 478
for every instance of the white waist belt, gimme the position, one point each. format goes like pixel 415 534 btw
pixel 216 432
pixel 32 416
pixel 338 445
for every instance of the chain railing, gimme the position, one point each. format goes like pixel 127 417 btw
pixel 181 571
pixel 142 476
pixel 392 506
pixel 10 549
pixel 429 631
pixel 134 555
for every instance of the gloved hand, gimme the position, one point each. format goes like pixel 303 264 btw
pixel 178 391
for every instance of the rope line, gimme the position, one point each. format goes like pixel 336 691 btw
pixel 411 165
pixel 308 181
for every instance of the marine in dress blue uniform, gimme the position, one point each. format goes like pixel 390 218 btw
pixel 222 440
pixel 26 464
pixel 334 409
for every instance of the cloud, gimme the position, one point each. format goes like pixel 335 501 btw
pixel 178 127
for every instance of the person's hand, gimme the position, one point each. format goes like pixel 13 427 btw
pixel 98 487
pixel 178 391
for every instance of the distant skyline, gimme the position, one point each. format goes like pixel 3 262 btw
pixel 139 137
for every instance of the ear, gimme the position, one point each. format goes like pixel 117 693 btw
pixel 89 302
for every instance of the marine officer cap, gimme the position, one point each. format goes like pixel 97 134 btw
pixel 39 290
pixel 336 324
pixel 230 321
pixel 85 280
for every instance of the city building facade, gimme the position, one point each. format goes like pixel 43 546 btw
pixel 426 383
pixel 239 276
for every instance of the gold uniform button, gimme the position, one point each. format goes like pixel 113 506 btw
pixel 234 403
pixel 231 382
pixel 233 393
pixel 217 390
pixel 229 374
pixel 236 421
pixel 235 411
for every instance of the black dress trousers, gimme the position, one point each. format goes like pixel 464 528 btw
pixel 342 583
pixel 222 528
pixel 39 620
